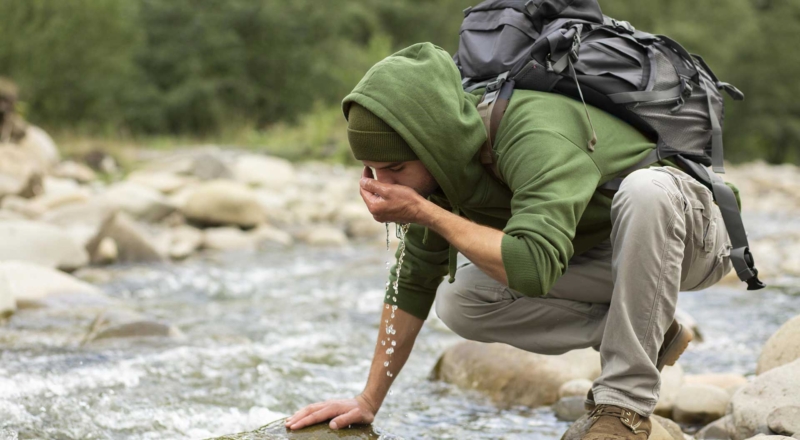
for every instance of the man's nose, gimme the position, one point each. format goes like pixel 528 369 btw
pixel 385 177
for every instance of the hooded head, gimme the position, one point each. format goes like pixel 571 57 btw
pixel 410 106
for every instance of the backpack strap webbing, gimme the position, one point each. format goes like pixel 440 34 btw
pixel 491 108
pixel 741 257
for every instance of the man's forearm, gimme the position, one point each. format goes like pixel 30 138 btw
pixel 406 328
pixel 480 244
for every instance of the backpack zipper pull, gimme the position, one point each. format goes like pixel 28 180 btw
pixel 593 140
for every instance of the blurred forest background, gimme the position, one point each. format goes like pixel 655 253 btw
pixel 269 74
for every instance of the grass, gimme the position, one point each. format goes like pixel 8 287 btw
pixel 318 135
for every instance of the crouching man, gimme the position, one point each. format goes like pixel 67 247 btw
pixel 556 263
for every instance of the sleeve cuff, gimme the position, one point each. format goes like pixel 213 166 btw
pixel 521 270
pixel 417 303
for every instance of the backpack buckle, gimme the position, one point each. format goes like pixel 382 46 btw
pixel 623 26
pixel 497 83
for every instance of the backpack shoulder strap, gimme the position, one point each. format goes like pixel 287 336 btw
pixel 491 108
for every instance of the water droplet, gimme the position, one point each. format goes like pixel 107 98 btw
pixel 386 364
pixel 389 350
pixel 383 342
pixel 387 306
pixel 390 392
pixel 394 343
pixel 394 298
pixel 389 373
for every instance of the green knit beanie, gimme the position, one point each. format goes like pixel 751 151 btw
pixel 372 139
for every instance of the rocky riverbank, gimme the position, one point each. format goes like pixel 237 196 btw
pixel 61 222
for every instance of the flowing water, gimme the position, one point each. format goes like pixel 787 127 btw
pixel 267 333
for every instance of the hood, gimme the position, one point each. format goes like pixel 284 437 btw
pixel 417 91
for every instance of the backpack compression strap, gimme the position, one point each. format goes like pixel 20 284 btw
pixel 491 108
pixel 741 257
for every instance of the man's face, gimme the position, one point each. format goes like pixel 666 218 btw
pixel 412 174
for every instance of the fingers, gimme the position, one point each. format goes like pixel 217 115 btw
pixel 354 416
pixel 374 186
pixel 303 412
pixel 325 413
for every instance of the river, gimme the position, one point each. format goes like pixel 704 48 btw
pixel 267 332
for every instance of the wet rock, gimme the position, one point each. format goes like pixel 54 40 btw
pixel 729 382
pixel 37 286
pixel 663 429
pixel 785 420
pixel 184 241
pixel 121 323
pixel 698 404
pixel 782 347
pixel 40 243
pixel 671 382
pixel 510 376
pixel 266 234
pixel 276 431
pixel 141 202
pixel 133 244
pixel 227 239
pixel 163 182
pixel 716 430
pixel 570 408
pixel 222 202
pixel 323 236
pixel 265 171
pixel 753 403
pixel 75 171
pixel 577 387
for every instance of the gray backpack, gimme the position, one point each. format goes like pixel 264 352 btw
pixel 650 81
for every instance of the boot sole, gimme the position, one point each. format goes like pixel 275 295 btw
pixel 675 348
pixel 671 354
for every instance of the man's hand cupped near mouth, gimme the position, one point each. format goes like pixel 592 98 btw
pixel 392 203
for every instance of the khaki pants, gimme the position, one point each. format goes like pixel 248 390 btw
pixel 619 297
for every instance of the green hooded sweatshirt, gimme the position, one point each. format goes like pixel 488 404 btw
pixel 549 208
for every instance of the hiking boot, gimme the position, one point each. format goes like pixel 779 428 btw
pixel 611 422
pixel 675 342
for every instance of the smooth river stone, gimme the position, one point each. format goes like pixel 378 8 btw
pixel 276 430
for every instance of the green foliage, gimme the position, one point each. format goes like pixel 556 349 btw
pixel 249 70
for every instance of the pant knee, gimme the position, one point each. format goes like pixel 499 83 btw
pixel 454 306
pixel 650 191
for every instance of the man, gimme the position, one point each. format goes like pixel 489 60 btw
pixel 556 264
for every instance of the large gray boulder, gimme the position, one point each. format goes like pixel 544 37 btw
pixel 782 347
pixel 277 431
pixel 36 286
pixel 222 202
pixel 40 243
pixel 751 406
pixel 663 429
pixel 510 376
